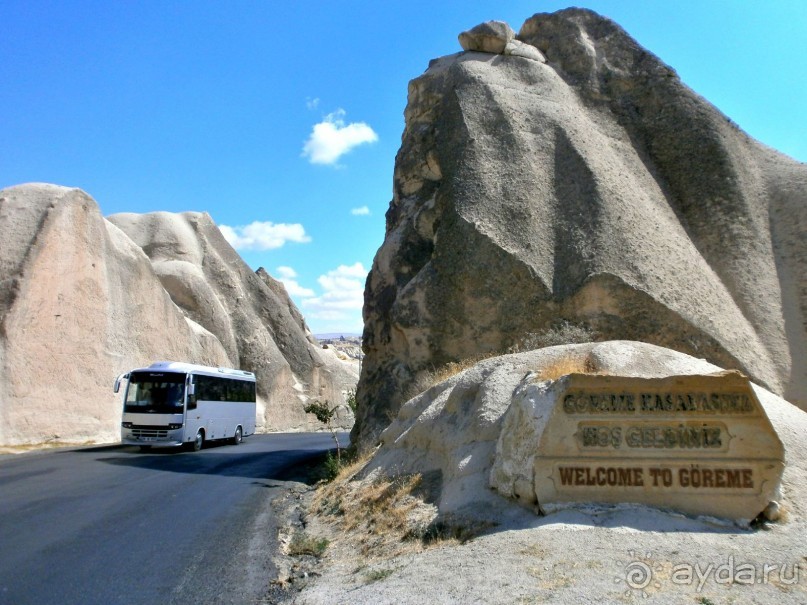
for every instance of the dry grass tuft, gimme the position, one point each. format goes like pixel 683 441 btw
pixel 428 378
pixel 455 367
pixel 379 512
pixel 563 366
pixel 379 517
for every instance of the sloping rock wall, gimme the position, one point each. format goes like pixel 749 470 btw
pixel 250 314
pixel 80 305
pixel 594 189
pixel 81 302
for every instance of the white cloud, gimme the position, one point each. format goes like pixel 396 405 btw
pixel 312 104
pixel 342 294
pixel 286 272
pixel 363 211
pixel 264 235
pixel 332 138
pixel 288 277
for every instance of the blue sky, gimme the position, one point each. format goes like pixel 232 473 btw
pixel 282 119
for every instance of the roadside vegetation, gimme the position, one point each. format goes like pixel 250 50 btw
pixel 377 517
pixel 325 414
pixel 304 544
pixel 372 517
pixel 566 365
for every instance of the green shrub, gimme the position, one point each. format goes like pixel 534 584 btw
pixel 331 466
pixel 303 544
pixel 325 414
pixel 350 400
pixel 377 574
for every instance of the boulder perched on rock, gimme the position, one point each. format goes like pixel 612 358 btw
pixel 516 48
pixel 81 302
pixel 595 192
pixel 490 37
pixel 497 37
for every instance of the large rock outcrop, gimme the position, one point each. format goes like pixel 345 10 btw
pixel 249 313
pixel 80 302
pixel 453 433
pixel 595 190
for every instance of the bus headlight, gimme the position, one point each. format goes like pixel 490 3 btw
pixel 126 425
pixel 175 426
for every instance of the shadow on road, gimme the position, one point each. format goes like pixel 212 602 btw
pixel 283 465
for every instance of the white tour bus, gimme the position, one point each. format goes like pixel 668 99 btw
pixel 172 404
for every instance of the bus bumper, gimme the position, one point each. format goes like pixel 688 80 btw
pixel 152 437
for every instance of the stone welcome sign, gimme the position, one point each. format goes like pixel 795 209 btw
pixel 699 444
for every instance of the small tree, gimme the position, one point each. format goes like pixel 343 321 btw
pixel 325 415
pixel 350 400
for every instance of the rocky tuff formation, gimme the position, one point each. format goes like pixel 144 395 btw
pixel 347 346
pixel 498 37
pixel 250 314
pixel 587 554
pixel 82 302
pixel 490 37
pixel 460 434
pixel 595 191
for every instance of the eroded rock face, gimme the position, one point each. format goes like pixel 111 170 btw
pixel 81 302
pixel 596 189
pixel 249 313
pixel 80 305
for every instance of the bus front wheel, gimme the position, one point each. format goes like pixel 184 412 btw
pixel 199 441
pixel 239 435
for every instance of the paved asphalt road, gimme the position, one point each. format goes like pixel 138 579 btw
pixel 113 525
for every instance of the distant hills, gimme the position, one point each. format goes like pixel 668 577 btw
pixel 332 335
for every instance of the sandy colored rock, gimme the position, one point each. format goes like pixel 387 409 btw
pixel 81 302
pixel 80 305
pixel 699 444
pixel 250 313
pixel 596 191
pixel 493 431
pixel 489 37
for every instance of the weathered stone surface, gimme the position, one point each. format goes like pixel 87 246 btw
pixel 250 314
pixel 80 305
pixel 80 302
pixel 473 435
pixel 596 189
pixel 489 37
pixel 517 48
pixel 699 444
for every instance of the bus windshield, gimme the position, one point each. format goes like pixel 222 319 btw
pixel 156 392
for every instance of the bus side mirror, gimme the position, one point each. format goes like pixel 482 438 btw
pixel 118 381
